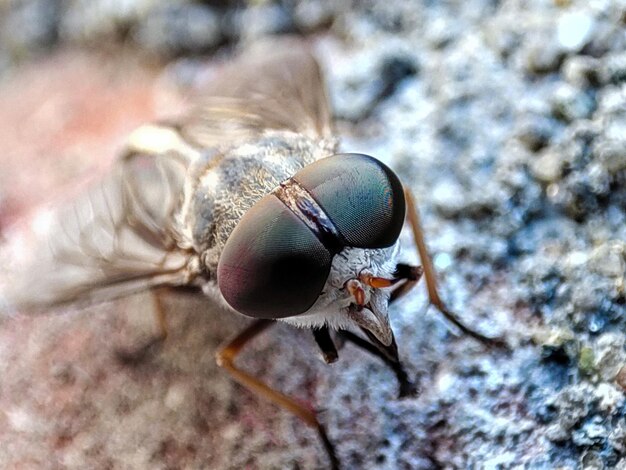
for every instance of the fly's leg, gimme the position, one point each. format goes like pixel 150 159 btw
pixel 410 276
pixel 389 355
pixel 161 317
pixel 139 354
pixel 225 358
pixel 406 278
pixel 431 279
pixel 326 345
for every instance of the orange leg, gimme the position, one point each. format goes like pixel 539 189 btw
pixel 159 313
pixel 141 353
pixel 225 358
pixel 431 278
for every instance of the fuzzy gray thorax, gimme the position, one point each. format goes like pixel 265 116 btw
pixel 225 184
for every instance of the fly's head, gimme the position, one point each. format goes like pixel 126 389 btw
pixel 356 293
pixel 321 249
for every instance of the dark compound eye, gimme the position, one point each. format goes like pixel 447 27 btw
pixel 275 266
pixel 272 266
pixel 361 195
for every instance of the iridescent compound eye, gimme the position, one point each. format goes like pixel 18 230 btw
pixel 273 265
pixel 277 260
pixel 361 195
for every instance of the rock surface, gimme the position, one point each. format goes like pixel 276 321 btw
pixel 508 121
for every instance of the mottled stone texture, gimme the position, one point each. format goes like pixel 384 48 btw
pixel 507 119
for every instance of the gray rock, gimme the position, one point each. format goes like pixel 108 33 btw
pixel 312 15
pixel 608 259
pixel 87 21
pixel 260 20
pixel 617 437
pixel 592 461
pixel 548 166
pixel 574 29
pixel 591 433
pixel 542 55
pixel 507 120
pixel 175 29
pixel 612 69
pixel 31 27
pixel 360 81
pixel 582 71
pixel 570 103
pixel 611 154
pixel 536 131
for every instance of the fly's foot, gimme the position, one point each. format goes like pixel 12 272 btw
pixel 136 356
pixel 409 389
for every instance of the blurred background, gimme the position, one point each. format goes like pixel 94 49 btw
pixel 508 120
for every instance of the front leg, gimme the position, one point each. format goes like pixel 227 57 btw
pixel 389 355
pixel 431 278
pixel 225 358
pixel 409 276
pixel 326 344
pixel 137 355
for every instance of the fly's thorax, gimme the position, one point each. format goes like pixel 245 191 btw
pixel 223 187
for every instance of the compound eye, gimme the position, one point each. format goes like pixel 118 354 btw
pixel 361 195
pixel 272 265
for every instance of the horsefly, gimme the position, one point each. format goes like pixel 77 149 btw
pixel 247 199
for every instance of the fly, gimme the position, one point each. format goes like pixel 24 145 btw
pixel 248 199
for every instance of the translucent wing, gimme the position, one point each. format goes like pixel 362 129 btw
pixel 275 85
pixel 117 238
pixel 122 236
